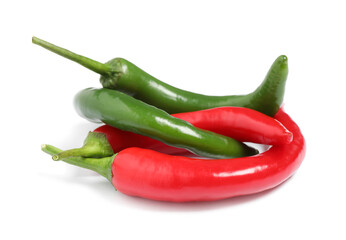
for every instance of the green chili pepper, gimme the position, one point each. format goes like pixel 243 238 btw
pixel 127 113
pixel 124 76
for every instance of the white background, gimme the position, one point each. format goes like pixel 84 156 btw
pixel 215 47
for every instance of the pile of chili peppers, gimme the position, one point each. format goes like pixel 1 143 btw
pixel 163 143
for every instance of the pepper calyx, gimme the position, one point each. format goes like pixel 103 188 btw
pixel 103 166
pixel 95 145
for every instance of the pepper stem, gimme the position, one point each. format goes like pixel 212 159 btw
pixel 103 69
pixel 103 166
pixel 95 145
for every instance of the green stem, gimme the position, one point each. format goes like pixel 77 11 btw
pixel 103 166
pixel 93 65
pixel 76 152
pixel 51 150
pixel 95 145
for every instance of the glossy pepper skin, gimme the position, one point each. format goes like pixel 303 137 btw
pixel 242 124
pixel 148 174
pixel 124 112
pixel 124 76
pixel 157 176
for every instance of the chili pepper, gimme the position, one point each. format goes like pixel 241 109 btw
pixel 149 174
pixel 242 124
pixel 124 76
pixel 124 112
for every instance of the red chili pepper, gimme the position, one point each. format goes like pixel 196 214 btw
pixel 149 174
pixel 242 124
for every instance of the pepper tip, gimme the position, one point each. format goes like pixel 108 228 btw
pixel 283 59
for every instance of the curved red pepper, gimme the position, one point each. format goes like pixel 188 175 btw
pixel 242 124
pixel 149 174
